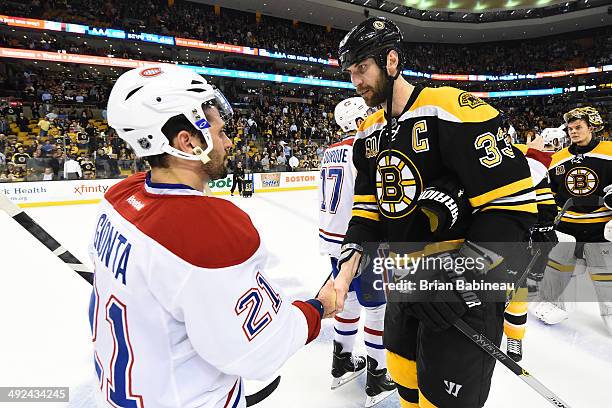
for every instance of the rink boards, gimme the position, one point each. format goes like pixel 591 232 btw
pixel 67 192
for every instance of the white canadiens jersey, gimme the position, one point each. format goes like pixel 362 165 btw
pixel 181 309
pixel 336 195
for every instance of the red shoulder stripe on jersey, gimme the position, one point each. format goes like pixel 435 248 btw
pixel 206 232
pixel 346 142
pixel 543 157
pixel 312 318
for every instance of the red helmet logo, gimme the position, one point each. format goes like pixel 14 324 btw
pixel 151 72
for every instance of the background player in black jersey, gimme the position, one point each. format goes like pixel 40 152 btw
pixel 432 138
pixel 237 178
pixel 580 172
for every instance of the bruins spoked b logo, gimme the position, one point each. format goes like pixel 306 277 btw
pixel 398 184
pixel 581 181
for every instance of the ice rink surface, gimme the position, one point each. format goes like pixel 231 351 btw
pixel 46 337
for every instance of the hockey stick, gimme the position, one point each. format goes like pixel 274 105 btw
pixel 45 238
pixel 488 346
pixel 262 394
pixel 38 232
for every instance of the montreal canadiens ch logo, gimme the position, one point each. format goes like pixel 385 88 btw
pixel 151 72
pixel 581 181
pixel 398 184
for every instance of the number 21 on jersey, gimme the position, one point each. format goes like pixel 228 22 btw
pixel 119 382
pixel 250 304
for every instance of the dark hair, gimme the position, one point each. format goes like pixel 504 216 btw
pixel 173 126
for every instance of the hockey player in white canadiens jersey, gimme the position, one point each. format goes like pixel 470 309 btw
pixel 181 309
pixel 336 197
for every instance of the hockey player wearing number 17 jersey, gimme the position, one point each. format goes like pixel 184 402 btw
pixel 336 198
pixel 181 309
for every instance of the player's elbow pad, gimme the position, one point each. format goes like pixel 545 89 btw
pixel 445 204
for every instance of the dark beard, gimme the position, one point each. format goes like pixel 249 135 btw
pixel 216 168
pixel 379 92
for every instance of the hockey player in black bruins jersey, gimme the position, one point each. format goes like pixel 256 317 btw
pixel 421 136
pixel 580 172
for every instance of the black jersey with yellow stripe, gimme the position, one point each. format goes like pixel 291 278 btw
pixel 577 172
pixel 440 131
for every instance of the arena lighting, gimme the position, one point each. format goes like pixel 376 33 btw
pixel 230 73
pixel 191 43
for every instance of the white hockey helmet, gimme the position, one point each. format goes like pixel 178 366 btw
pixel 348 111
pixel 144 99
pixel 554 139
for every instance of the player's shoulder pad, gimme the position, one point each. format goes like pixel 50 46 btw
pixel 604 148
pixel 206 232
pixel 348 141
pixel 372 123
pixel 560 156
pixel 453 105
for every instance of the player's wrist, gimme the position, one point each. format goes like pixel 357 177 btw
pixel 350 254
pixel 318 305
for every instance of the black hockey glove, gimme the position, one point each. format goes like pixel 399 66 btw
pixel 438 315
pixel 443 308
pixel 544 238
pixel 543 233
pixel 445 204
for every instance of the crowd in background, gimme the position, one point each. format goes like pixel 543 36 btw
pixel 52 116
pixel 199 21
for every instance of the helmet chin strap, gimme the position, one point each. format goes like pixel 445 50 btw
pixel 389 93
pixel 198 153
pixel 201 154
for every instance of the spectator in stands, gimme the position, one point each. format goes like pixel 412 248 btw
pixel 44 125
pixel 23 123
pixel 72 169
pixel 21 157
pixel 4 126
pixel 48 174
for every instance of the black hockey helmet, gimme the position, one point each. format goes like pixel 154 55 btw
pixel 374 38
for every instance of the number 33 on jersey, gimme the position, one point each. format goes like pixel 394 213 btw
pixel 440 130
